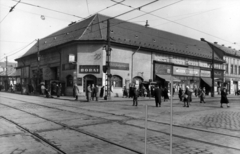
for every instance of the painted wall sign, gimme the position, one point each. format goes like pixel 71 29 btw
pixel 119 66
pixel 89 69
pixel 162 69
pixel 205 73
pixel 68 66
pixel 160 57
pixel 47 73
pixel 218 74
pixel 186 71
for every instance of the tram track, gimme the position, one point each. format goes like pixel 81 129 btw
pixel 35 135
pixel 127 117
pixel 65 126
pixel 130 118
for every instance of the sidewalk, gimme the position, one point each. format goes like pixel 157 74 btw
pixel 121 99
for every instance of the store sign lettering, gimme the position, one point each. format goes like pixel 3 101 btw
pixel 119 66
pixel 185 71
pixel 89 69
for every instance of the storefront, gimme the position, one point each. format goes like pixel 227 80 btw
pixel 188 76
pixel 232 84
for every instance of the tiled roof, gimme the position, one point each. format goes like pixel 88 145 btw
pixel 228 50
pixel 95 28
pixel 70 33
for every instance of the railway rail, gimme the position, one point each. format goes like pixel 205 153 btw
pixel 104 139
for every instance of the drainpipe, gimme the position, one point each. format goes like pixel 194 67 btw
pixel 132 62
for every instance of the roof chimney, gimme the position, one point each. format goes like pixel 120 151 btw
pixel 202 39
pixel 229 47
pixel 215 43
pixel 223 45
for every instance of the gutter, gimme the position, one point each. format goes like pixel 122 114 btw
pixel 132 62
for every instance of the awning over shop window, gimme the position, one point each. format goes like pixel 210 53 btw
pixel 168 78
pixel 207 81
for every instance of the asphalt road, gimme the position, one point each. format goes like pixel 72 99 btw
pixel 33 124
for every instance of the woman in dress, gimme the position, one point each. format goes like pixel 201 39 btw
pixel 224 99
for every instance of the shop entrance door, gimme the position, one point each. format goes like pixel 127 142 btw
pixel 89 80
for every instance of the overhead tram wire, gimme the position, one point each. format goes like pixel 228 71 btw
pixel 19 50
pixel 108 7
pixel 50 9
pixel 95 23
pixel 34 13
pixel 10 11
pixel 52 36
pixel 176 23
pixel 4 17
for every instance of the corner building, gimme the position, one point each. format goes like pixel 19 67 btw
pixel 139 55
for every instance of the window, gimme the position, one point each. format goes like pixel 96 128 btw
pixel 235 70
pixel 238 70
pixel 226 68
pixel 69 81
pixel 231 69
pixel 116 81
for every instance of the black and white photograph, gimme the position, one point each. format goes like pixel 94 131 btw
pixel 119 77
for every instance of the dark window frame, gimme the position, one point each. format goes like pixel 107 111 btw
pixel 118 81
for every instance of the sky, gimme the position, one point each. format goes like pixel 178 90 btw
pixel 214 20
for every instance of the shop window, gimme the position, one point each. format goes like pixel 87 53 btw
pixel 69 81
pixel 116 81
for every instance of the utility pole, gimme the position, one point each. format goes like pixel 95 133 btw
pixel 108 57
pixel 212 71
pixel 6 85
pixel 38 62
pixel 6 66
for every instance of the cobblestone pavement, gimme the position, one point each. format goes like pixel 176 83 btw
pixel 200 129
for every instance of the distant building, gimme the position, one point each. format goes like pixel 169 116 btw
pixel 11 77
pixel 139 54
pixel 231 66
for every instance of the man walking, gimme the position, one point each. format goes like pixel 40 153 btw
pixel 180 93
pixel 135 96
pixel 76 91
pixel 96 92
pixel 186 97
pixel 89 92
pixel 158 95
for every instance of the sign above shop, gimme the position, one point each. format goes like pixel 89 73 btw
pixel 205 73
pixel 119 66
pixel 185 71
pixel 89 69
pixel 162 69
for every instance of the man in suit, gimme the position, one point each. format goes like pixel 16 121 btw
pixel 89 91
pixel 158 95
pixel 187 97
pixel 135 96
pixel 96 92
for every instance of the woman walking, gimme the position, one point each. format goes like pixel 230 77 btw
pixel 180 94
pixel 224 99
pixel 202 96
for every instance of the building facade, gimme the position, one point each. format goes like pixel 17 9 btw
pixel 139 55
pixel 231 66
